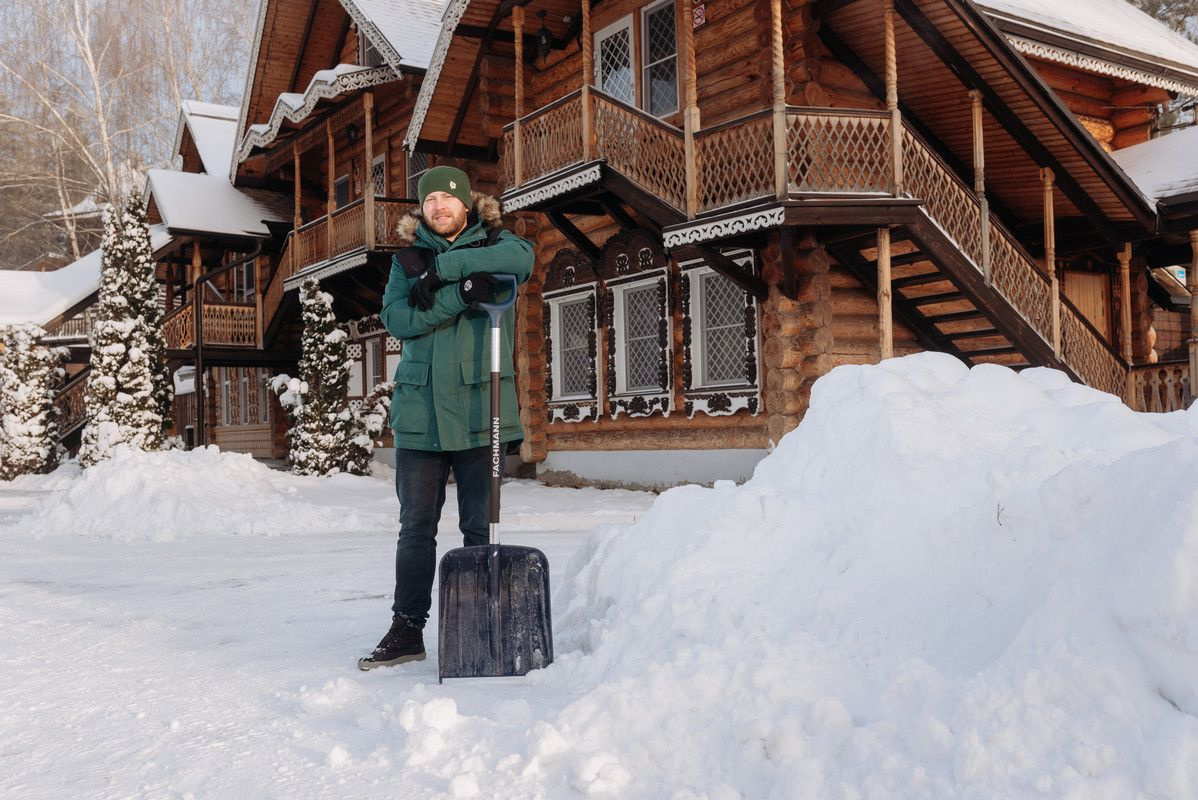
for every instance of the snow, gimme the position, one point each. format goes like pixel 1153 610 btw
pixel 945 583
pixel 1165 166
pixel 213 129
pixel 39 297
pixel 410 26
pixel 191 202
pixel 1114 25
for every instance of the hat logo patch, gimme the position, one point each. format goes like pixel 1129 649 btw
pixel 453 185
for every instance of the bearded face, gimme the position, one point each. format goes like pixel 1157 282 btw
pixel 444 214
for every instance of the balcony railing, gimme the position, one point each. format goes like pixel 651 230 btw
pixel 225 325
pixel 1161 387
pixel 72 412
pixel 77 327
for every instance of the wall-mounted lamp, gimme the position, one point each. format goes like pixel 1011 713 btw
pixel 351 132
pixel 544 38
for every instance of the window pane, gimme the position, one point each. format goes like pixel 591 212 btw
pixel 723 330
pixel 662 88
pixel 660 24
pixel 615 66
pixel 641 348
pixel 378 177
pixel 341 191
pixel 575 329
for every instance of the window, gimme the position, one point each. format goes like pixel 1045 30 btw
pixel 378 176
pixel 341 191
pixel 639 343
pixel 374 358
pixel 720 324
pixel 243 396
pixel 573 365
pixel 263 396
pixel 614 58
pixel 659 81
pixel 243 283
pixel 225 389
pixel 418 164
pixel 368 54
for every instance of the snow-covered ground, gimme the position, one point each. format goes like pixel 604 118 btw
pixel 945 583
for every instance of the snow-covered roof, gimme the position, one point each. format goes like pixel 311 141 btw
pixel 213 128
pixel 407 27
pixel 195 203
pixel 454 11
pixel 1111 37
pixel 294 106
pixel 39 297
pixel 1163 167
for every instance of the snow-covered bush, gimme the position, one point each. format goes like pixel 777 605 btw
pixel 326 435
pixel 29 375
pixel 128 397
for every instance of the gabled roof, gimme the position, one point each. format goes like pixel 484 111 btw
pixel 212 128
pixel 39 297
pixel 191 203
pixel 1110 37
pixel 1165 167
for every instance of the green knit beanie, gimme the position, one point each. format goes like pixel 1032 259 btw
pixel 445 179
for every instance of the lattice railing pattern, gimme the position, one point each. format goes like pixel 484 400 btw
pixel 274 290
pixel 645 150
pixel 1086 355
pixel 77 327
pixel 1020 281
pixel 1161 387
pixel 178 328
pixel 551 140
pixel 311 243
pixel 735 162
pixel 948 201
pixel 69 402
pixel 347 227
pixel 830 150
pixel 387 214
pixel 230 324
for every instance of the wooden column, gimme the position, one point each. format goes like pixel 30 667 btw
pixel 885 311
pixel 1125 303
pixel 588 79
pixel 259 291
pixel 517 139
pixel 979 181
pixel 197 301
pixel 1047 178
pixel 896 118
pixel 781 173
pixel 1192 285
pixel 368 114
pixel 295 158
pixel 331 201
pixel 690 111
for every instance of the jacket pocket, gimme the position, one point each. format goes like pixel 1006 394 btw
pixel 410 401
pixel 476 377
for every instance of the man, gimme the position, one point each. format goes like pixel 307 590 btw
pixel 440 409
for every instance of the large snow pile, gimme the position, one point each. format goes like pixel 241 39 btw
pixel 945 583
pixel 163 496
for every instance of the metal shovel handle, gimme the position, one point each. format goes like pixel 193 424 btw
pixel 495 311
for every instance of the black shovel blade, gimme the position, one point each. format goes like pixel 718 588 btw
pixel 494 612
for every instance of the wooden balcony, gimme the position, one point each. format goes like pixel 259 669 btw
pixel 225 325
pixel 1161 387
pixel 351 229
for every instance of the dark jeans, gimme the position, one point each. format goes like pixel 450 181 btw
pixel 420 478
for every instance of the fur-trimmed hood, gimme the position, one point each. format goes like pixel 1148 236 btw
pixel 485 207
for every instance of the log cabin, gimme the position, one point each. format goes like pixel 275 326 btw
pixel 730 199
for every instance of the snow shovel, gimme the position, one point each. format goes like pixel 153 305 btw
pixel 494 598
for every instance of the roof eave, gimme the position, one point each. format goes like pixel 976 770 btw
pixel 449 24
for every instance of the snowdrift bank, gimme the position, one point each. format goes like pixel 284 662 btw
pixel 176 494
pixel 945 583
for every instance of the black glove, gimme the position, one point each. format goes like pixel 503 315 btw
pixel 478 287
pixel 423 292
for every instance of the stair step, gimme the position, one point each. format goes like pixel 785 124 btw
pixel 927 300
pixel 978 334
pixel 918 280
pixel 990 351
pixel 955 317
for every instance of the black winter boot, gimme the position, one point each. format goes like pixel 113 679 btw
pixel 403 643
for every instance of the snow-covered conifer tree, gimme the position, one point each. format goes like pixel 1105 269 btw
pixel 128 396
pixel 322 430
pixel 29 375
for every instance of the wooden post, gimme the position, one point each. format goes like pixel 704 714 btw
pixel 331 201
pixel 259 291
pixel 979 181
pixel 885 312
pixel 368 113
pixel 690 110
pixel 1125 322
pixel 1047 178
pixel 896 118
pixel 295 157
pixel 1192 285
pixel 197 310
pixel 781 172
pixel 517 139
pixel 588 78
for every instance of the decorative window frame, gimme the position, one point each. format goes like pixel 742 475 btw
pixel 718 400
pixel 645 94
pixel 633 259
pixel 570 278
pixel 339 182
pixel 624 23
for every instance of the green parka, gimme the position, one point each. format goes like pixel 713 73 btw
pixel 442 397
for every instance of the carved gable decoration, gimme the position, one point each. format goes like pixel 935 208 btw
pixel 569 268
pixel 631 253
